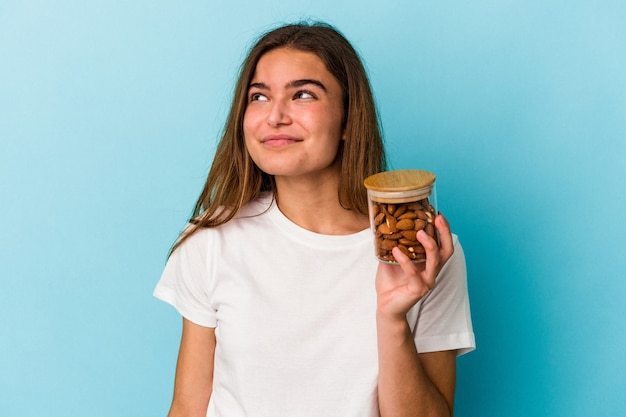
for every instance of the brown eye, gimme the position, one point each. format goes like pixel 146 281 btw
pixel 257 97
pixel 304 95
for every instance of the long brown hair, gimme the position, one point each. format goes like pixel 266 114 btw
pixel 235 180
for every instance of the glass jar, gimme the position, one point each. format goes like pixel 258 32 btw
pixel 401 203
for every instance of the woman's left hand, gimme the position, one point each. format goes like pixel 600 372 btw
pixel 399 287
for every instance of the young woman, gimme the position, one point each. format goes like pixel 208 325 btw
pixel 286 311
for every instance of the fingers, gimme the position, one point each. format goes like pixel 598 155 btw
pixel 431 268
pixel 436 255
pixel 445 237
pixel 415 283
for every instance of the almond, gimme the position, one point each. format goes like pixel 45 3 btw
pixel 410 234
pixel 388 244
pixel 408 215
pixel 405 224
pixel 420 224
pixel 391 223
pixel 404 250
pixel 384 229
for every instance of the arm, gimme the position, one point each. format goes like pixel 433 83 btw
pixel 194 371
pixel 412 384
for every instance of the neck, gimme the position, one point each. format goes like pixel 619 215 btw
pixel 314 205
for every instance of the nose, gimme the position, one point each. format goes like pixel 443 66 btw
pixel 278 114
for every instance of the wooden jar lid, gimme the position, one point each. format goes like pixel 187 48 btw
pixel 400 186
pixel 399 180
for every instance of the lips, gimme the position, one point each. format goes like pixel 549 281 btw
pixel 279 140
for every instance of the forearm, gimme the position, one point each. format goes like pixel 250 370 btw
pixel 192 403
pixel 404 388
pixel 194 371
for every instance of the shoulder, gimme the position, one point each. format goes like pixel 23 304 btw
pixel 196 237
pixel 260 205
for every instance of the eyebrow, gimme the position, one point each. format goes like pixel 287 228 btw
pixel 291 84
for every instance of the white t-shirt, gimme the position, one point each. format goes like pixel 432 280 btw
pixel 294 314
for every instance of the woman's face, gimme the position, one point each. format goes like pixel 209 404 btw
pixel 293 119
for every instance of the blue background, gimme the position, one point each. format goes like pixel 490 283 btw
pixel 109 111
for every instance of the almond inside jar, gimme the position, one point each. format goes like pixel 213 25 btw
pixel 397 224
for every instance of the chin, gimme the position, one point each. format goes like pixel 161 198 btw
pixel 282 172
pixel 280 168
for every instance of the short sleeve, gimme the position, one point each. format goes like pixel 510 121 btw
pixel 444 319
pixel 186 283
